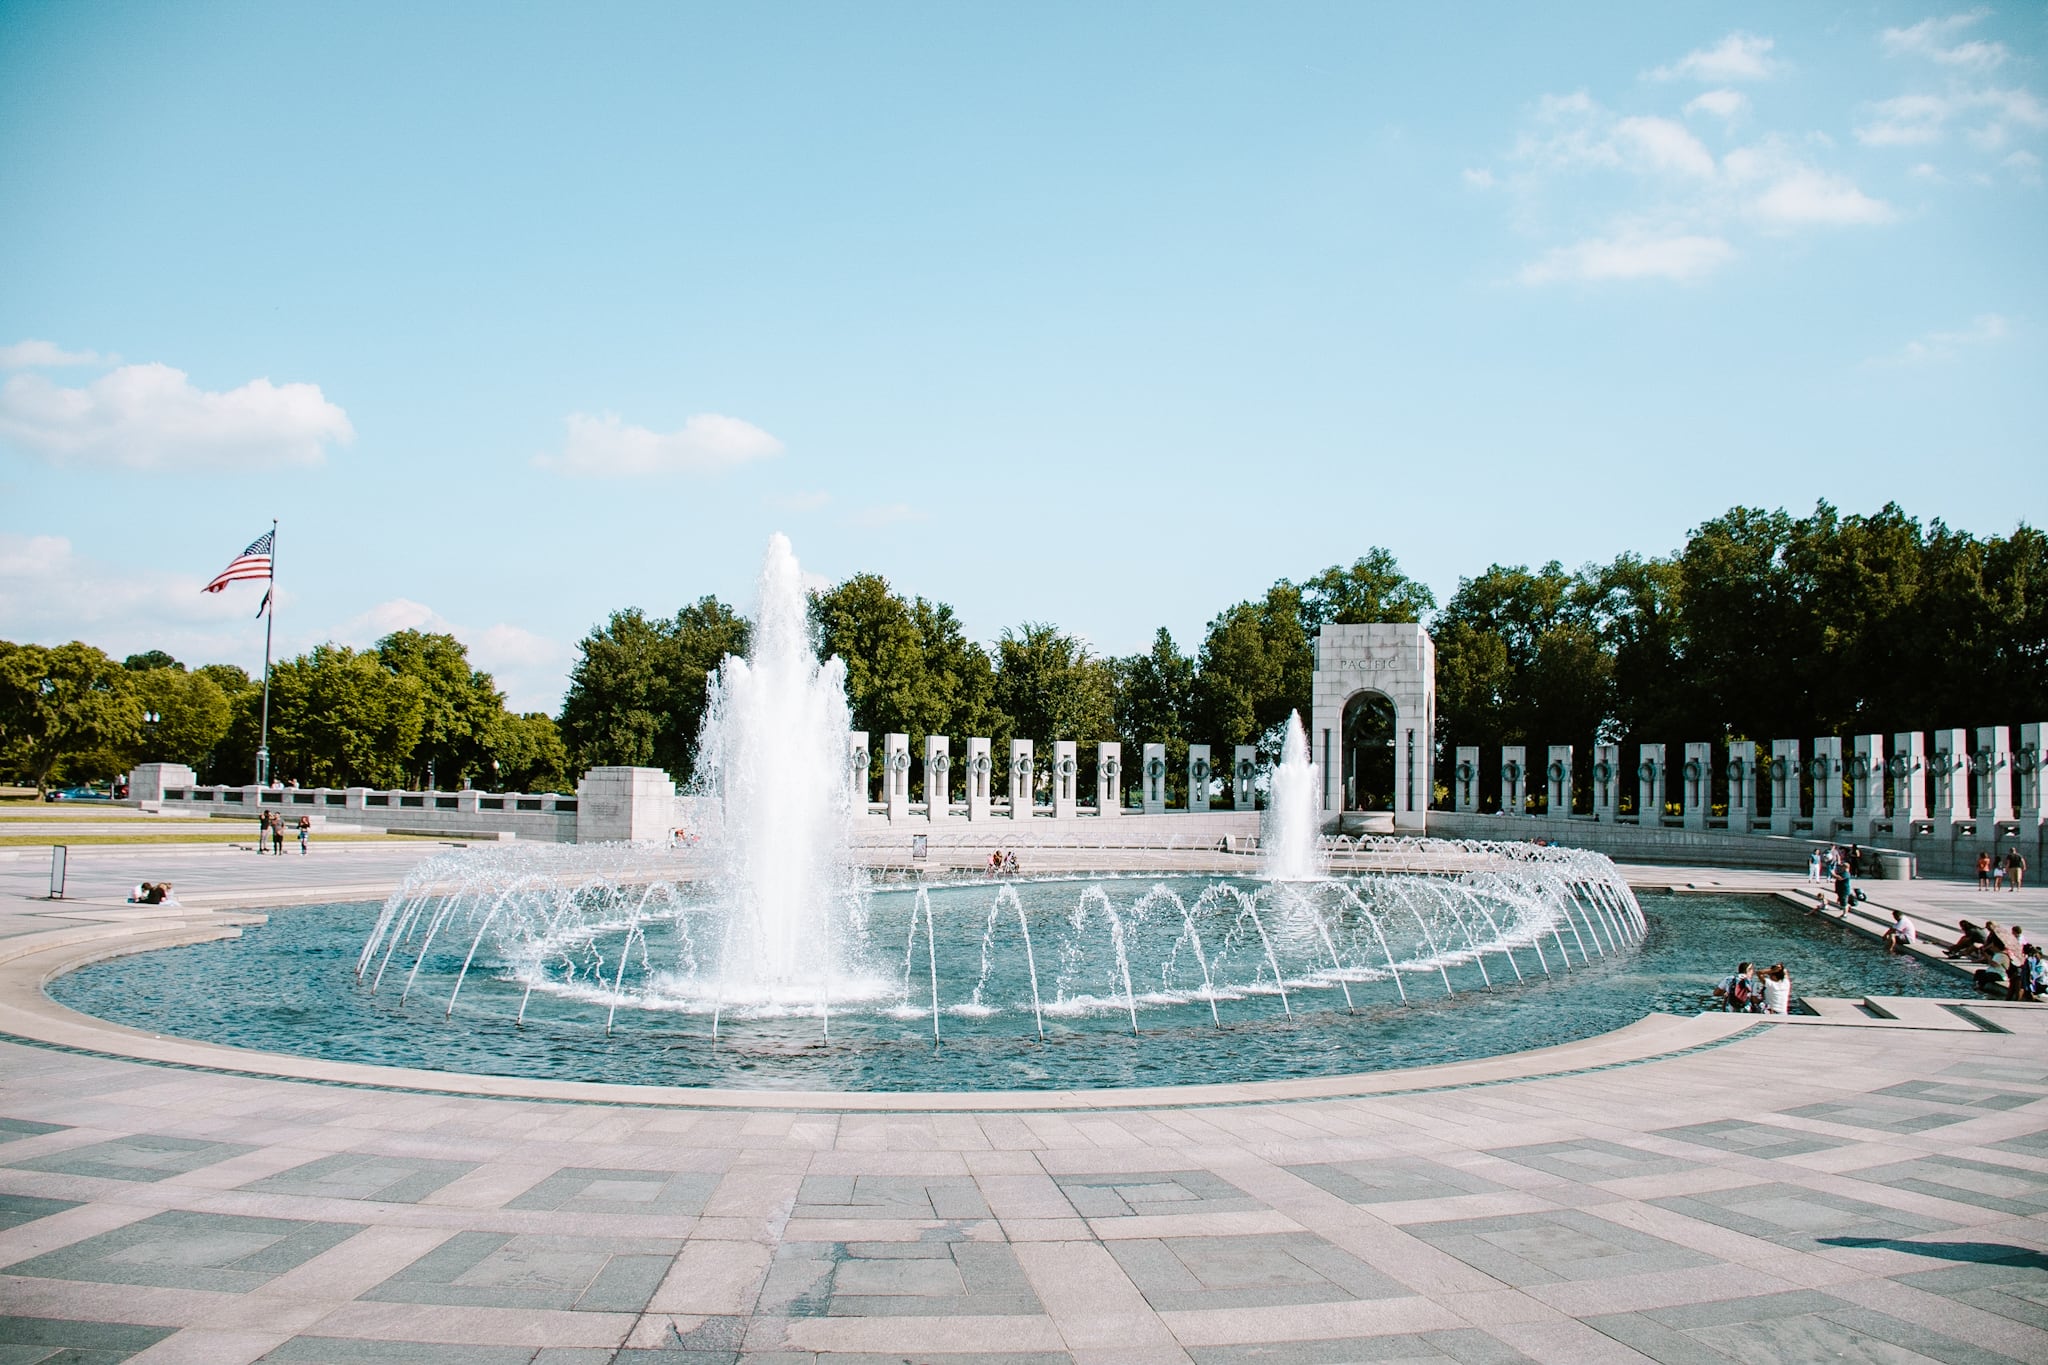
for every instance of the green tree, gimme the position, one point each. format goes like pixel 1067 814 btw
pixel 1373 589
pixel 1050 687
pixel 233 757
pixel 66 712
pixel 636 696
pixel 1257 664
pixel 1157 703
pixel 339 718
pixel 528 755
pixel 462 707
pixel 192 715
pixel 148 659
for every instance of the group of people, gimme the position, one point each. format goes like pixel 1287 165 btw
pixel 1002 864
pixel 270 825
pixel 152 893
pixel 1752 990
pixel 1995 873
pixel 1838 867
pixel 2011 962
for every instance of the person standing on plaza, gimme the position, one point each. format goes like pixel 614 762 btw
pixel 2015 868
pixel 1843 887
pixel 1983 871
pixel 305 832
pixel 277 834
pixel 262 829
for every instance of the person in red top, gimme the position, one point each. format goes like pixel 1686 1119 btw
pixel 1983 871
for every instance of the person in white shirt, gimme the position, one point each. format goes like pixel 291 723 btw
pixel 1902 934
pixel 1777 990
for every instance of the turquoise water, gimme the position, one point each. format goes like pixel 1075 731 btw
pixel 290 986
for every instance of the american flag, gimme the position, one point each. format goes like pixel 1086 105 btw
pixel 253 562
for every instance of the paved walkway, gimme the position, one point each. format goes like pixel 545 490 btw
pixel 1866 1189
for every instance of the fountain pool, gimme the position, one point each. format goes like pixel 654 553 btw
pixel 289 986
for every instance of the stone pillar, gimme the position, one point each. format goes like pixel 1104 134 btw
pixel 148 780
pixel 1514 778
pixel 1465 780
pixel 1741 785
pixel 615 804
pixel 1198 777
pixel 1825 768
pixel 1991 779
pixel 1650 784
pixel 1023 780
pixel 896 776
pixel 1153 795
pixel 1948 765
pixel 1066 779
pixel 1607 782
pixel 1559 777
pixel 1244 792
pixel 1908 767
pixel 1866 785
pixel 1697 779
pixel 1784 785
pixel 980 773
pixel 2027 763
pixel 857 772
pixel 1109 778
pixel 938 777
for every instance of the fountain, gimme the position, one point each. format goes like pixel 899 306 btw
pixel 1287 842
pixel 768 953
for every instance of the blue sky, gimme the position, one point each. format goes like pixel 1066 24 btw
pixel 1104 315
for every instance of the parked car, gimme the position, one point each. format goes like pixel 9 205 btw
pixel 76 794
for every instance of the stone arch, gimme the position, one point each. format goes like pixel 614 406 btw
pixel 1393 661
pixel 1366 747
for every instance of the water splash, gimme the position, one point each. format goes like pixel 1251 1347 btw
pixel 1288 847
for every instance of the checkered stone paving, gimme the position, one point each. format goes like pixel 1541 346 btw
pixel 352 1175
pixel 1554 1246
pixel 1807 1326
pixel 508 1270
pixel 1795 1216
pixel 1152 1193
pixel 1393 1180
pixel 223 1252
pixel 591 1189
pixel 1255 1270
pixel 1592 1160
pixel 940 1275
pixel 146 1156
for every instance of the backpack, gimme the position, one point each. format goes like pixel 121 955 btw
pixel 1742 993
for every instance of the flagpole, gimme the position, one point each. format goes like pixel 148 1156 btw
pixel 269 620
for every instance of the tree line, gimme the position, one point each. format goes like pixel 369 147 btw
pixel 408 712
pixel 1762 625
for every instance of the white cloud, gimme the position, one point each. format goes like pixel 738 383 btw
pixel 531 670
pixel 803 500
pixel 1810 196
pixel 1722 104
pixel 1479 178
pixel 1932 38
pixel 888 514
pixel 1919 119
pixel 1664 146
pixel 1737 57
pixel 50 594
pixel 151 417
pixel 32 354
pixel 1936 347
pixel 1683 258
pixel 606 447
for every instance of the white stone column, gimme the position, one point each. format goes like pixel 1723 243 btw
pixel 1949 765
pixel 1866 785
pixel 1697 784
pixel 2027 763
pixel 938 778
pixel 1109 778
pixel 148 780
pixel 980 773
pixel 1066 779
pixel 857 772
pixel 615 804
pixel 1784 785
pixel 1741 785
pixel 1023 780
pixel 1650 783
pixel 1607 782
pixel 1244 794
pixel 1514 778
pixel 1908 767
pixel 1825 768
pixel 1465 780
pixel 1198 777
pixel 1152 796
pixel 1991 774
pixel 896 776
pixel 1558 782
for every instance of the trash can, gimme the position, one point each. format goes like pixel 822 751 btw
pixel 1896 867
